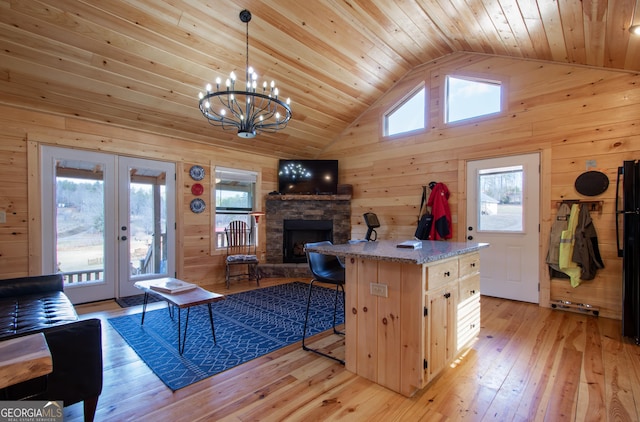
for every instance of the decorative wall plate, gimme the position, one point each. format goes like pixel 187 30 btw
pixel 197 189
pixel 196 173
pixel 197 205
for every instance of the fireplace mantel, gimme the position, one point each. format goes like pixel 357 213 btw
pixel 308 197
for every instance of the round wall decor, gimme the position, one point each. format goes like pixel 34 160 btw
pixel 592 183
pixel 197 189
pixel 196 173
pixel 197 205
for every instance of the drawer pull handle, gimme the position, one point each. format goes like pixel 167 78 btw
pixel 447 295
pixel 447 274
pixel 472 292
pixel 473 264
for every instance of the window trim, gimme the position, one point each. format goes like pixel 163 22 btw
pixel 401 102
pixel 500 80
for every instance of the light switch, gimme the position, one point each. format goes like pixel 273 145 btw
pixel 3 217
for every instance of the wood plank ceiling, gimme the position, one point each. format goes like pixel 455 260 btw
pixel 141 63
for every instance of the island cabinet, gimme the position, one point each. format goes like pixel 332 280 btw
pixel 408 313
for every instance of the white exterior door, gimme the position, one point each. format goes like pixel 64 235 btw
pixel 503 208
pixel 107 221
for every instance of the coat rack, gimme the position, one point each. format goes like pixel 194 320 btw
pixel 594 206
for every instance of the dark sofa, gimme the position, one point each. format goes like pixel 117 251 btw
pixel 38 304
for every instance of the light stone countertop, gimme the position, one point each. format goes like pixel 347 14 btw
pixel 387 250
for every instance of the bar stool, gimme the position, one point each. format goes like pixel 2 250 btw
pixel 325 269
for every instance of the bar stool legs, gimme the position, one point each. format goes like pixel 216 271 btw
pixel 306 320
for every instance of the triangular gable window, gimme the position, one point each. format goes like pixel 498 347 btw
pixel 467 98
pixel 408 115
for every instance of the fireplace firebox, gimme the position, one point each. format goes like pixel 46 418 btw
pixel 298 232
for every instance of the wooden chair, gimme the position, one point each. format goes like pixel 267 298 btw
pixel 241 251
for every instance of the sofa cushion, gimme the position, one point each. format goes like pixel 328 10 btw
pixel 36 312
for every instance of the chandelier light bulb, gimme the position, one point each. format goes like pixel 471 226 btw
pixel 634 29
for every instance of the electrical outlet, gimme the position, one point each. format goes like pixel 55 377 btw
pixel 378 289
pixel 3 217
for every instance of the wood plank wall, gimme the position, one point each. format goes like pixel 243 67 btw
pixel 569 114
pixel 21 132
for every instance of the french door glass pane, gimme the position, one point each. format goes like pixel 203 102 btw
pixel 500 200
pixel 147 222
pixel 80 225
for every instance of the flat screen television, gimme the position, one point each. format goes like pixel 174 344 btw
pixel 308 177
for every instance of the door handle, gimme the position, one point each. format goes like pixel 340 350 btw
pixel 123 237
pixel 469 237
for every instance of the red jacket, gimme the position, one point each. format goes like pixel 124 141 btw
pixel 438 201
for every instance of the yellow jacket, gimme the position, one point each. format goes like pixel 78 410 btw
pixel 567 243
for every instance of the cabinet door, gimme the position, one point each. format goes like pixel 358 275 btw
pixel 441 328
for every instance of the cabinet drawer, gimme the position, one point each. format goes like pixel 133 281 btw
pixel 469 286
pixel 441 274
pixel 469 264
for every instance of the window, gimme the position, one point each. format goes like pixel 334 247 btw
pixel 408 115
pixel 500 198
pixel 234 195
pixel 467 98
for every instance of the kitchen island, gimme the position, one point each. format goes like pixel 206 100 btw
pixel 408 312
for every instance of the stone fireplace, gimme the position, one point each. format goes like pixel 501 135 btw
pixel 305 218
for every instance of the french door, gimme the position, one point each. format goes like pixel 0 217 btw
pixel 107 221
pixel 503 209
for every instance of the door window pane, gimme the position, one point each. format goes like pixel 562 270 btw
pixel 147 222
pixel 500 200
pixel 79 219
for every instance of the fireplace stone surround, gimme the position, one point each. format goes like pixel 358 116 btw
pixel 336 208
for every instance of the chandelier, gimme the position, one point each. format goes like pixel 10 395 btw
pixel 250 111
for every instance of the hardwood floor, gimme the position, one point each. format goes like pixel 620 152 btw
pixel 528 363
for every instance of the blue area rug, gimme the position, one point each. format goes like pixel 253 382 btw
pixel 248 325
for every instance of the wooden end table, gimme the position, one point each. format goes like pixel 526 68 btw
pixel 24 358
pixel 181 300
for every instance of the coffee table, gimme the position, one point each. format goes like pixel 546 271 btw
pixel 180 300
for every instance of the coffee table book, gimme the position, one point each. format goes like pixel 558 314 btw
pixel 172 286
